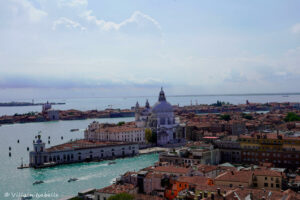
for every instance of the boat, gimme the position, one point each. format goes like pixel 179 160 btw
pixel 74 129
pixel 112 162
pixel 72 179
pixel 26 197
pixel 38 182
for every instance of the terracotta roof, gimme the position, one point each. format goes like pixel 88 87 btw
pixel 266 172
pixel 259 193
pixel 235 176
pixel 172 169
pixel 197 180
pixel 117 188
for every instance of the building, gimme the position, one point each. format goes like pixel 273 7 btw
pixel 281 150
pixel 46 106
pixel 254 178
pixel 192 156
pixel 230 151
pixel 160 119
pixel 127 132
pixel 78 151
pixel 105 193
pixel 52 114
pixel 142 114
pixel 235 179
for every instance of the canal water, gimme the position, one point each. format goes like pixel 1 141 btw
pixel 15 182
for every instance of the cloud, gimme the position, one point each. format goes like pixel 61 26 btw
pixel 67 23
pixel 26 8
pixel 72 3
pixel 296 28
pixel 137 17
pixel 28 81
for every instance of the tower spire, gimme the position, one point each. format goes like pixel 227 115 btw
pixel 162 95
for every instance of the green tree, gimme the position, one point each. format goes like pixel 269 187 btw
pixel 154 138
pixel 247 116
pixel 121 123
pixel 225 117
pixel 121 196
pixel 148 135
pixel 290 117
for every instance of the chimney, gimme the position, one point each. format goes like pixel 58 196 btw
pixel 212 196
pixel 219 191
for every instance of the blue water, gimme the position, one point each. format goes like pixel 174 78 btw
pixel 127 102
pixel 90 175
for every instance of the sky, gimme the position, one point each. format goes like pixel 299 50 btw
pixel 94 48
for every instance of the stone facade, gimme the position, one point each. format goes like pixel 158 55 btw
pixel 78 151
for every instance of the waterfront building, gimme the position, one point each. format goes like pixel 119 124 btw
pixel 52 114
pixel 78 151
pixel 127 132
pixel 160 119
pixel 46 106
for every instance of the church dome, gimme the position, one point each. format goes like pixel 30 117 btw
pixel 162 105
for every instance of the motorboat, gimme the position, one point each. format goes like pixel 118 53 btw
pixel 112 162
pixel 38 182
pixel 72 179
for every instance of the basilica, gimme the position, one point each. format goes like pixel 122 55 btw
pixel 160 119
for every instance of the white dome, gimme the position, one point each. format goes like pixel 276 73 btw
pixel 162 106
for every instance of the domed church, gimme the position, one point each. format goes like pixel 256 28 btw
pixel 160 118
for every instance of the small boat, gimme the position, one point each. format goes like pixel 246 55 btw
pixel 26 197
pixel 74 129
pixel 112 162
pixel 38 182
pixel 72 179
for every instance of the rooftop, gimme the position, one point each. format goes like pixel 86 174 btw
pixel 83 144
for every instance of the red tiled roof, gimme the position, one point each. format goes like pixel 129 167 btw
pixel 117 188
pixel 235 176
pixel 172 169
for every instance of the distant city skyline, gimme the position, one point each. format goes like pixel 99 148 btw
pixel 74 48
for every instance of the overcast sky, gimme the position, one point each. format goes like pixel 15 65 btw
pixel 127 47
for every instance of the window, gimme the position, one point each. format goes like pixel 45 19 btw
pixel 266 185
pixel 277 185
pixel 266 178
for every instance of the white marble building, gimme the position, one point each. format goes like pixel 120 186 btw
pixel 160 118
pixel 78 151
